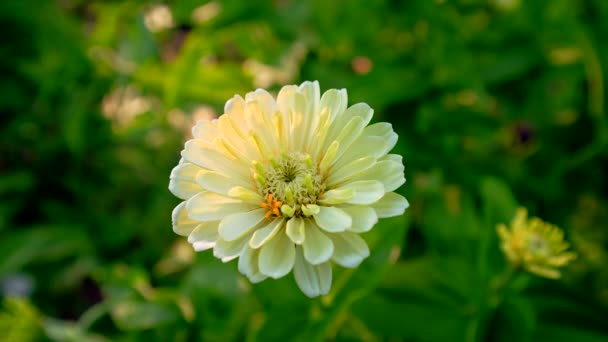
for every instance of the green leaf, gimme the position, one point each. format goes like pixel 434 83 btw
pixel 385 241
pixel 138 315
pixel 41 244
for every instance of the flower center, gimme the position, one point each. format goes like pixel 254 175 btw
pixel 538 245
pixel 291 182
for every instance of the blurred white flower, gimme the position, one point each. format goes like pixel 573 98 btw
pixel 159 18
pixel 288 184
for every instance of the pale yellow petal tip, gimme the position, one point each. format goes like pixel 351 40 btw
pixel 537 246
pixel 286 184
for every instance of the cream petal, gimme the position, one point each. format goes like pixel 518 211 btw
pixel 204 236
pixel 217 182
pixel 207 156
pixel 385 131
pixel 334 101
pixel 182 181
pixel 348 134
pixel 240 149
pixel 209 206
pixel 364 218
pixel 263 134
pixel 317 247
pixel 285 98
pixel 333 219
pixel 234 125
pixel 319 137
pixel 307 106
pixel 182 224
pixel 392 204
pixel 329 157
pixel 285 103
pixel 388 172
pixel 235 106
pixel 295 230
pixel 246 195
pixel 277 256
pixel 366 191
pixel 206 130
pixel 264 234
pixel 364 146
pixel 313 280
pixel 350 249
pixel 229 250
pixel 337 127
pixel 248 264
pixel 301 121
pixel 236 225
pixel 336 196
pixel 312 95
pixel 345 172
pixel 200 246
pixel 266 103
pixel 395 158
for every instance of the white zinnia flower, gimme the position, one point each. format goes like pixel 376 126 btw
pixel 288 184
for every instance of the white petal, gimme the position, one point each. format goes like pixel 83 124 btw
pixel 333 219
pixel 295 230
pixel 366 191
pixel 182 224
pixel 392 204
pixel 350 249
pixel 182 181
pixel 364 218
pixel 236 225
pixel 312 280
pixel 317 247
pixel 349 170
pixel 208 206
pixel 264 234
pixel 229 250
pixel 204 236
pixel 336 196
pixel 217 182
pixel 277 256
pixel 248 264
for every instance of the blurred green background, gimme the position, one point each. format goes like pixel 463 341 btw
pixel 497 104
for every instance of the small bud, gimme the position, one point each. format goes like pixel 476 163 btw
pixel 289 194
pixel 310 209
pixel 287 210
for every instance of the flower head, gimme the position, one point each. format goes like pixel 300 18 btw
pixel 288 184
pixel 537 246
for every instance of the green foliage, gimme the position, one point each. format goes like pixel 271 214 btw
pixel 497 104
